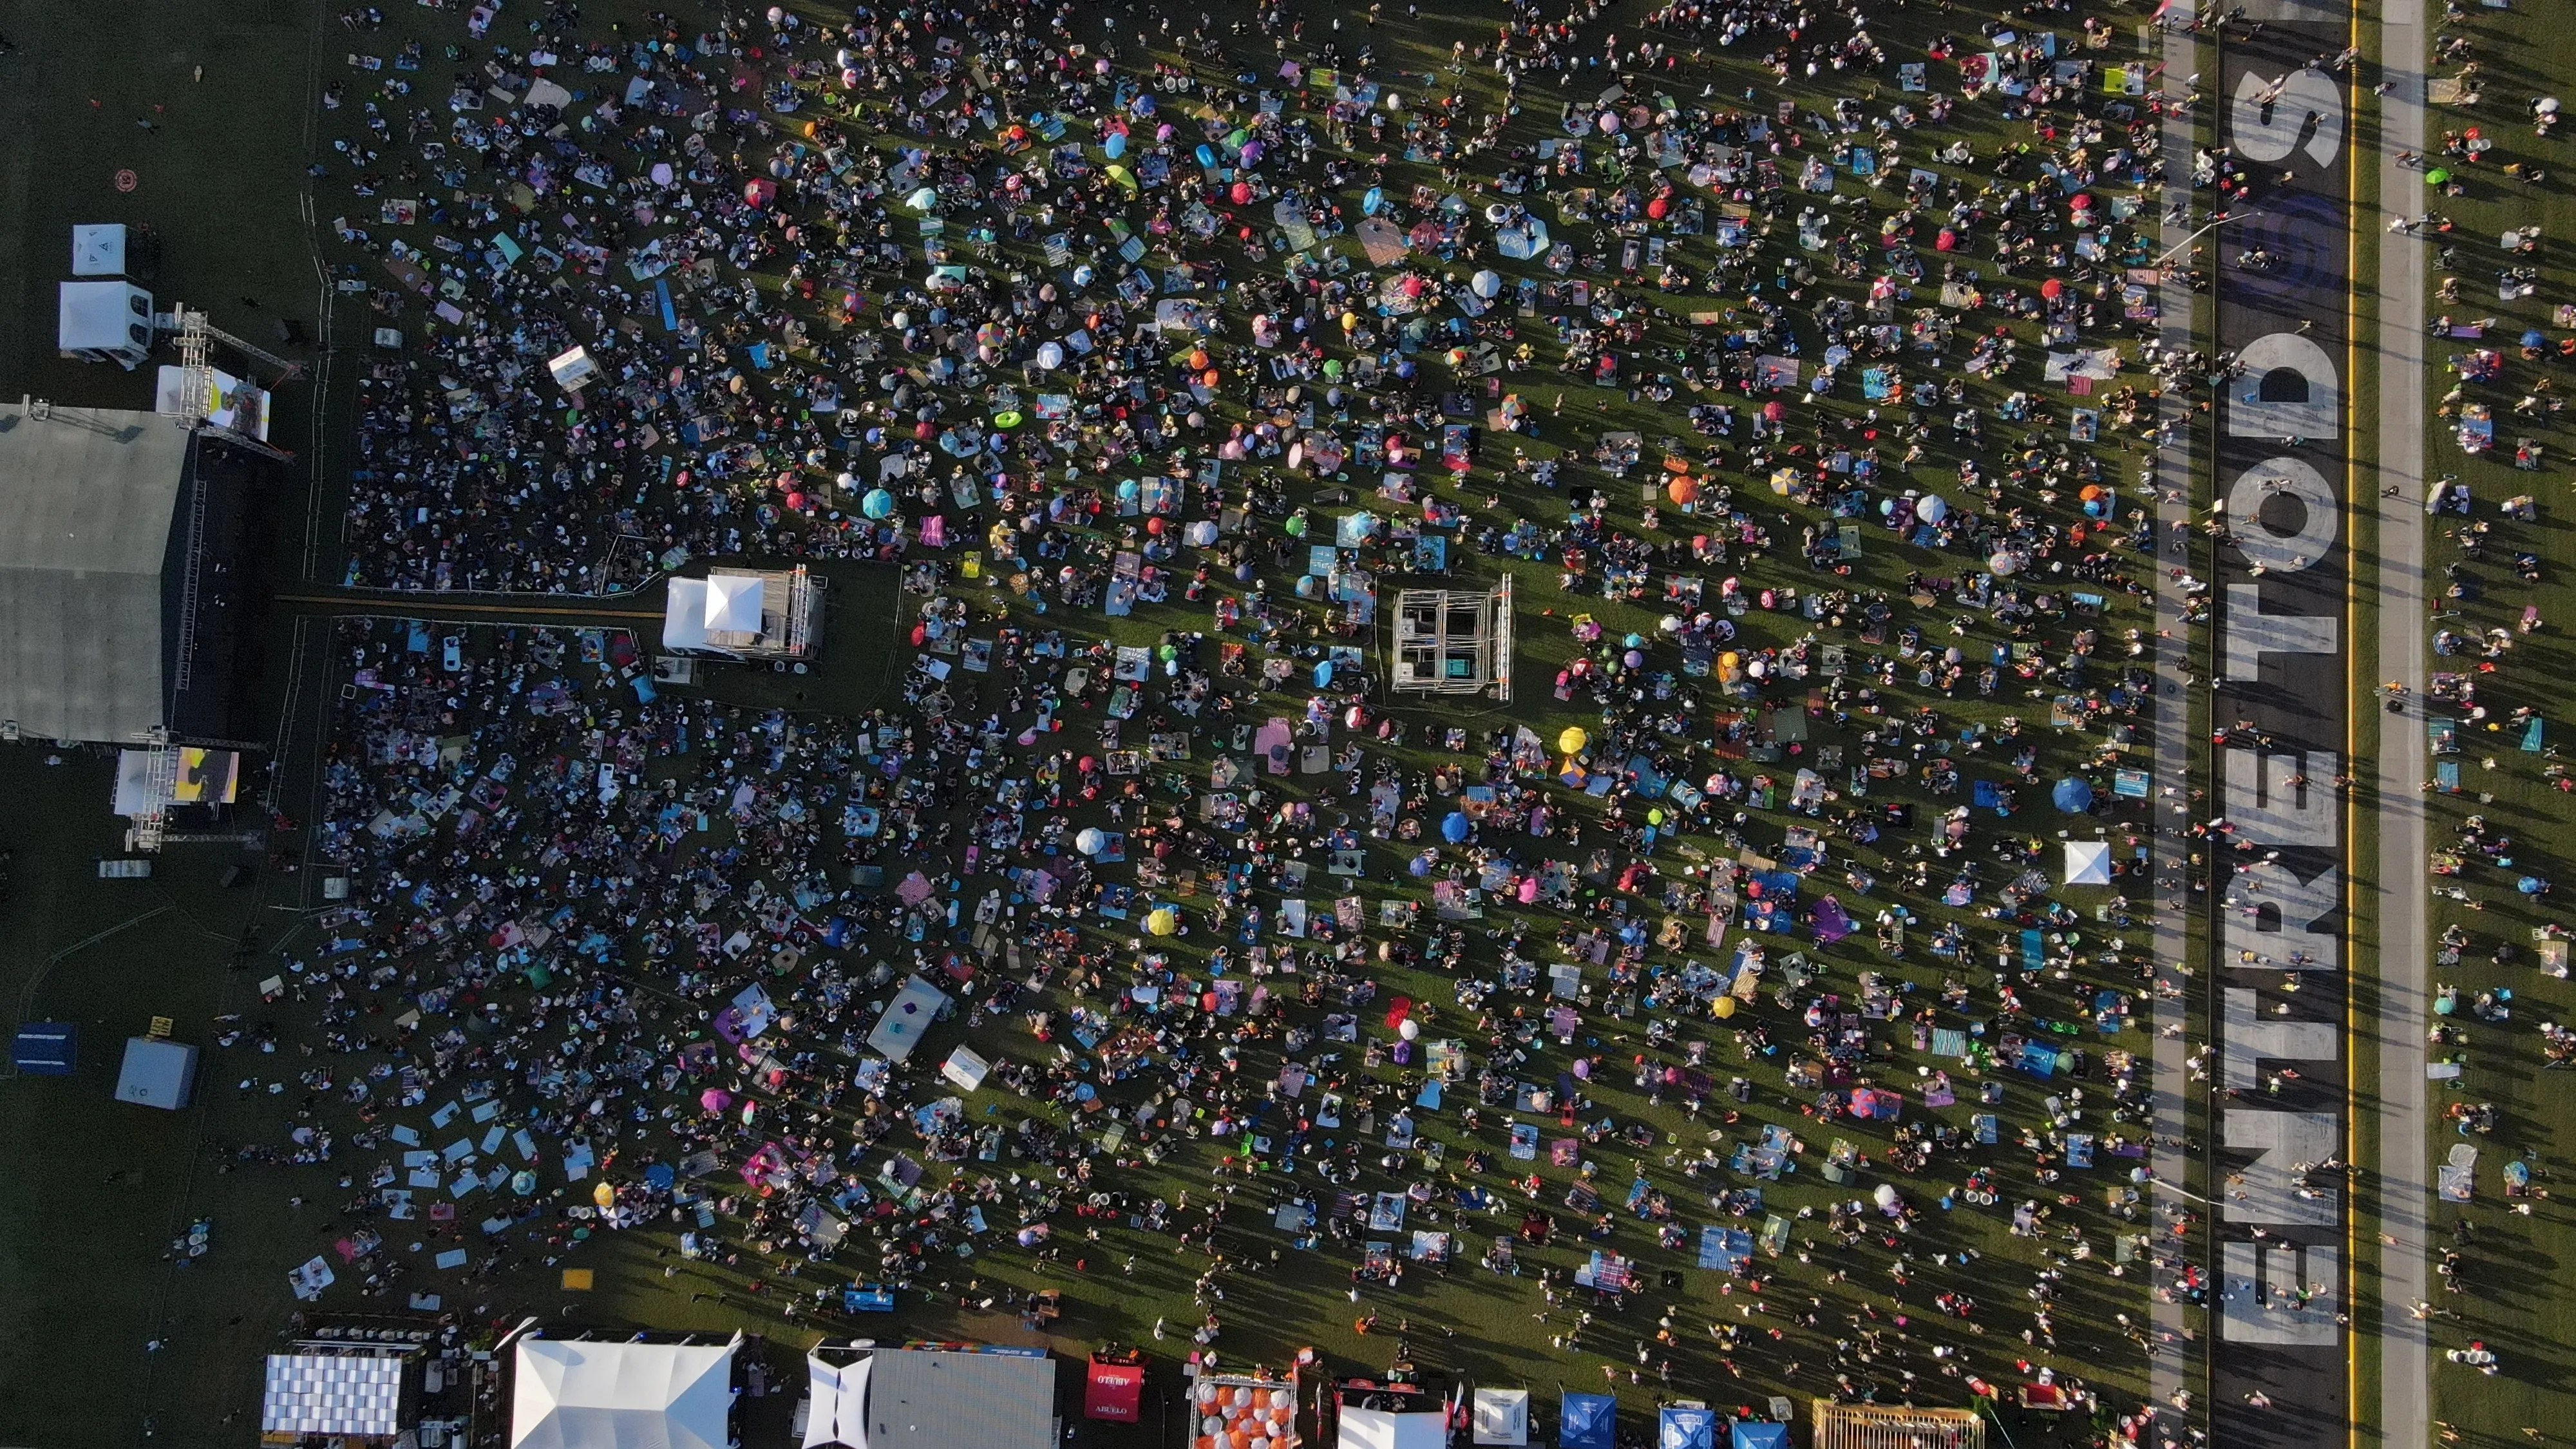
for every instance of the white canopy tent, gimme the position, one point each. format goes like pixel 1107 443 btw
pixel 838 1411
pixel 621 1395
pixel 106 321
pixel 1502 1416
pixel 1379 1429
pixel 966 1067
pixel 684 616
pixel 98 251
pixel 910 1014
pixel 733 604
pixel 573 370
pixel 2088 862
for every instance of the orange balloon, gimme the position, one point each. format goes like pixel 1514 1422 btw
pixel 1236 1438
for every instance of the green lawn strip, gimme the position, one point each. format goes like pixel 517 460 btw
pixel 2517 1268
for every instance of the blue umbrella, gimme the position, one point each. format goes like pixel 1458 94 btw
pixel 2072 796
pixel 1454 828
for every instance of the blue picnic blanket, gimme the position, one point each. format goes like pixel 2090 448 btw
pixel 1723 1248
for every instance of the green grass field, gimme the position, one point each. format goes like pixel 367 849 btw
pixel 2516 1267
pixel 220 181
pixel 94 1190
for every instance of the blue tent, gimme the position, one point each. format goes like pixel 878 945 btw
pixel 1586 1421
pixel 1686 1426
pixel 1760 1434
pixel 45 1048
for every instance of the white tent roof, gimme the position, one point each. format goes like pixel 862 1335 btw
pixel 621 1395
pixel 684 616
pixel 1502 1416
pixel 101 314
pixel 906 1018
pixel 2088 862
pixel 839 1411
pixel 572 369
pixel 314 1393
pixel 733 604
pixel 966 1067
pixel 99 251
pixel 1378 1429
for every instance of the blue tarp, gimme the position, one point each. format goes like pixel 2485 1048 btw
pixel 1686 1426
pixel 1650 781
pixel 1761 1434
pixel 1723 1248
pixel 1586 1421
pixel 45 1048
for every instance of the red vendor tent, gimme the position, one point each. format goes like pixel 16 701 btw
pixel 1115 1388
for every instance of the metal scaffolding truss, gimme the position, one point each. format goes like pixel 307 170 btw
pixel 1454 641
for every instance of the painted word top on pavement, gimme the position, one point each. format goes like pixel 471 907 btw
pixel 2281 698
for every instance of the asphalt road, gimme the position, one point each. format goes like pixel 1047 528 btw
pixel 2402 958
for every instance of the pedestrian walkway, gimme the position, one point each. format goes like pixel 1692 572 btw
pixel 2170 1370
pixel 2401 958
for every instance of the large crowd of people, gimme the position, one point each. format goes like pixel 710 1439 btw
pixel 1739 991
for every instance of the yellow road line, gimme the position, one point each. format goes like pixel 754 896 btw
pixel 2353 711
